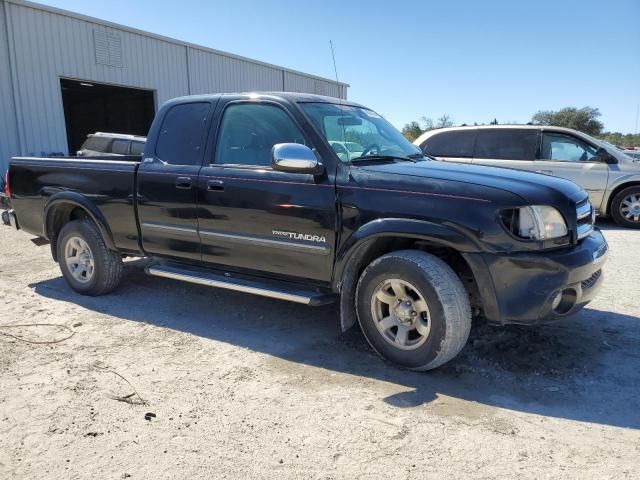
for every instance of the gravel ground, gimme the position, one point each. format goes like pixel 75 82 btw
pixel 247 387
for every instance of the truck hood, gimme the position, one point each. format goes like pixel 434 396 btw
pixel 531 187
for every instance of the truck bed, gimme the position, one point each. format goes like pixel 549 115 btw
pixel 108 181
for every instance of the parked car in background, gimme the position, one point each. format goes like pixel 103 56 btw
pixel 611 178
pixel 347 150
pixel 635 154
pixel 112 144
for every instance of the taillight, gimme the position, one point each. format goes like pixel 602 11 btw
pixel 7 189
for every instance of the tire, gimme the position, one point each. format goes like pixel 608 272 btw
pixel 422 276
pixel 106 265
pixel 617 206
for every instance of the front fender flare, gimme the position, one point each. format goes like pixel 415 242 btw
pixel 355 251
pixel 446 235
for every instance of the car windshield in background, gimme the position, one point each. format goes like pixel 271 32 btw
pixel 356 132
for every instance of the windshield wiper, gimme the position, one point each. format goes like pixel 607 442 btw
pixel 384 158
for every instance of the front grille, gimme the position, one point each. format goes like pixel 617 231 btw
pixel 585 219
pixel 588 283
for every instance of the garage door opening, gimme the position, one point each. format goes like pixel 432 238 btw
pixel 91 107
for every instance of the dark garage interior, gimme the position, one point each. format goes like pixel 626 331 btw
pixel 91 107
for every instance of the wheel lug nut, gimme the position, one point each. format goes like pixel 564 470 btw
pixel 408 303
pixel 413 314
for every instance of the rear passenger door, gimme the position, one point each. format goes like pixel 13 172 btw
pixel 451 146
pixel 508 147
pixel 167 180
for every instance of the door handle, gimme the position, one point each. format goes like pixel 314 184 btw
pixel 184 183
pixel 546 172
pixel 215 185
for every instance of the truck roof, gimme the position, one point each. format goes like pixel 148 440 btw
pixel 287 96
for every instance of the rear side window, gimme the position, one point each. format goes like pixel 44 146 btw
pixel 121 147
pixel 450 144
pixel 98 144
pixel 182 134
pixel 507 144
pixel 137 148
pixel 249 131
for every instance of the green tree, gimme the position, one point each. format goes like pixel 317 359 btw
pixel 412 131
pixel 622 140
pixel 583 119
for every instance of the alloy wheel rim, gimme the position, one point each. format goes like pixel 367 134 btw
pixel 401 314
pixel 630 207
pixel 79 259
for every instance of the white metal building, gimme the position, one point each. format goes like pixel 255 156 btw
pixel 63 75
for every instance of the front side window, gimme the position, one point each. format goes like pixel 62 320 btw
pixel 566 148
pixel 182 134
pixel 137 148
pixel 120 147
pixel 450 144
pixel 249 131
pixel 358 130
pixel 507 144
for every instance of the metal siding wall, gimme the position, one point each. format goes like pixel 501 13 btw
pixel 213 73
pixel 47 46
pixel 294 82
pixel 9 140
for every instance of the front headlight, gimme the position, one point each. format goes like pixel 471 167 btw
pixel 535 222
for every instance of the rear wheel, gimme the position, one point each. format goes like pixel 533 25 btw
pixel 413 309
pixel 87 265
pixel 625 207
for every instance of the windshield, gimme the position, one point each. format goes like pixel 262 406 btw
pixel 612 149
pixel 362 132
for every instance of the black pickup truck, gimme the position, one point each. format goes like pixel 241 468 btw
pixel 255 193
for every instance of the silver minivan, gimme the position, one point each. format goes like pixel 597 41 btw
pixel 611 178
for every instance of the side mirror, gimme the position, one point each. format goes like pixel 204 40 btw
pixel 295 158
pixel 606 156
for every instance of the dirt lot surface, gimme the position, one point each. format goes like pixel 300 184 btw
pixel 246 387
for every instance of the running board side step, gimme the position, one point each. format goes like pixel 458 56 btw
pixel 271 289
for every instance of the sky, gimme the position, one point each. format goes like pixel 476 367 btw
pixel 472 60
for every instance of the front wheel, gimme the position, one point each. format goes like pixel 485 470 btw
pixel 87 265
pixel 625 207
pixel 413 309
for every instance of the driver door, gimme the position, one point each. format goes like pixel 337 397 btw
pixel 254 218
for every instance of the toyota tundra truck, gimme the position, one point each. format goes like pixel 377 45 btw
pixel 246 192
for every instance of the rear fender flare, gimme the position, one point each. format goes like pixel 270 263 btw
pixel 77 200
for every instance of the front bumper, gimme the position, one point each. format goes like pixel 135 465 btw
pixel 9 219
pixel 521 287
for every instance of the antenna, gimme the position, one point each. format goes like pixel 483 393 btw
pixel 335 69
